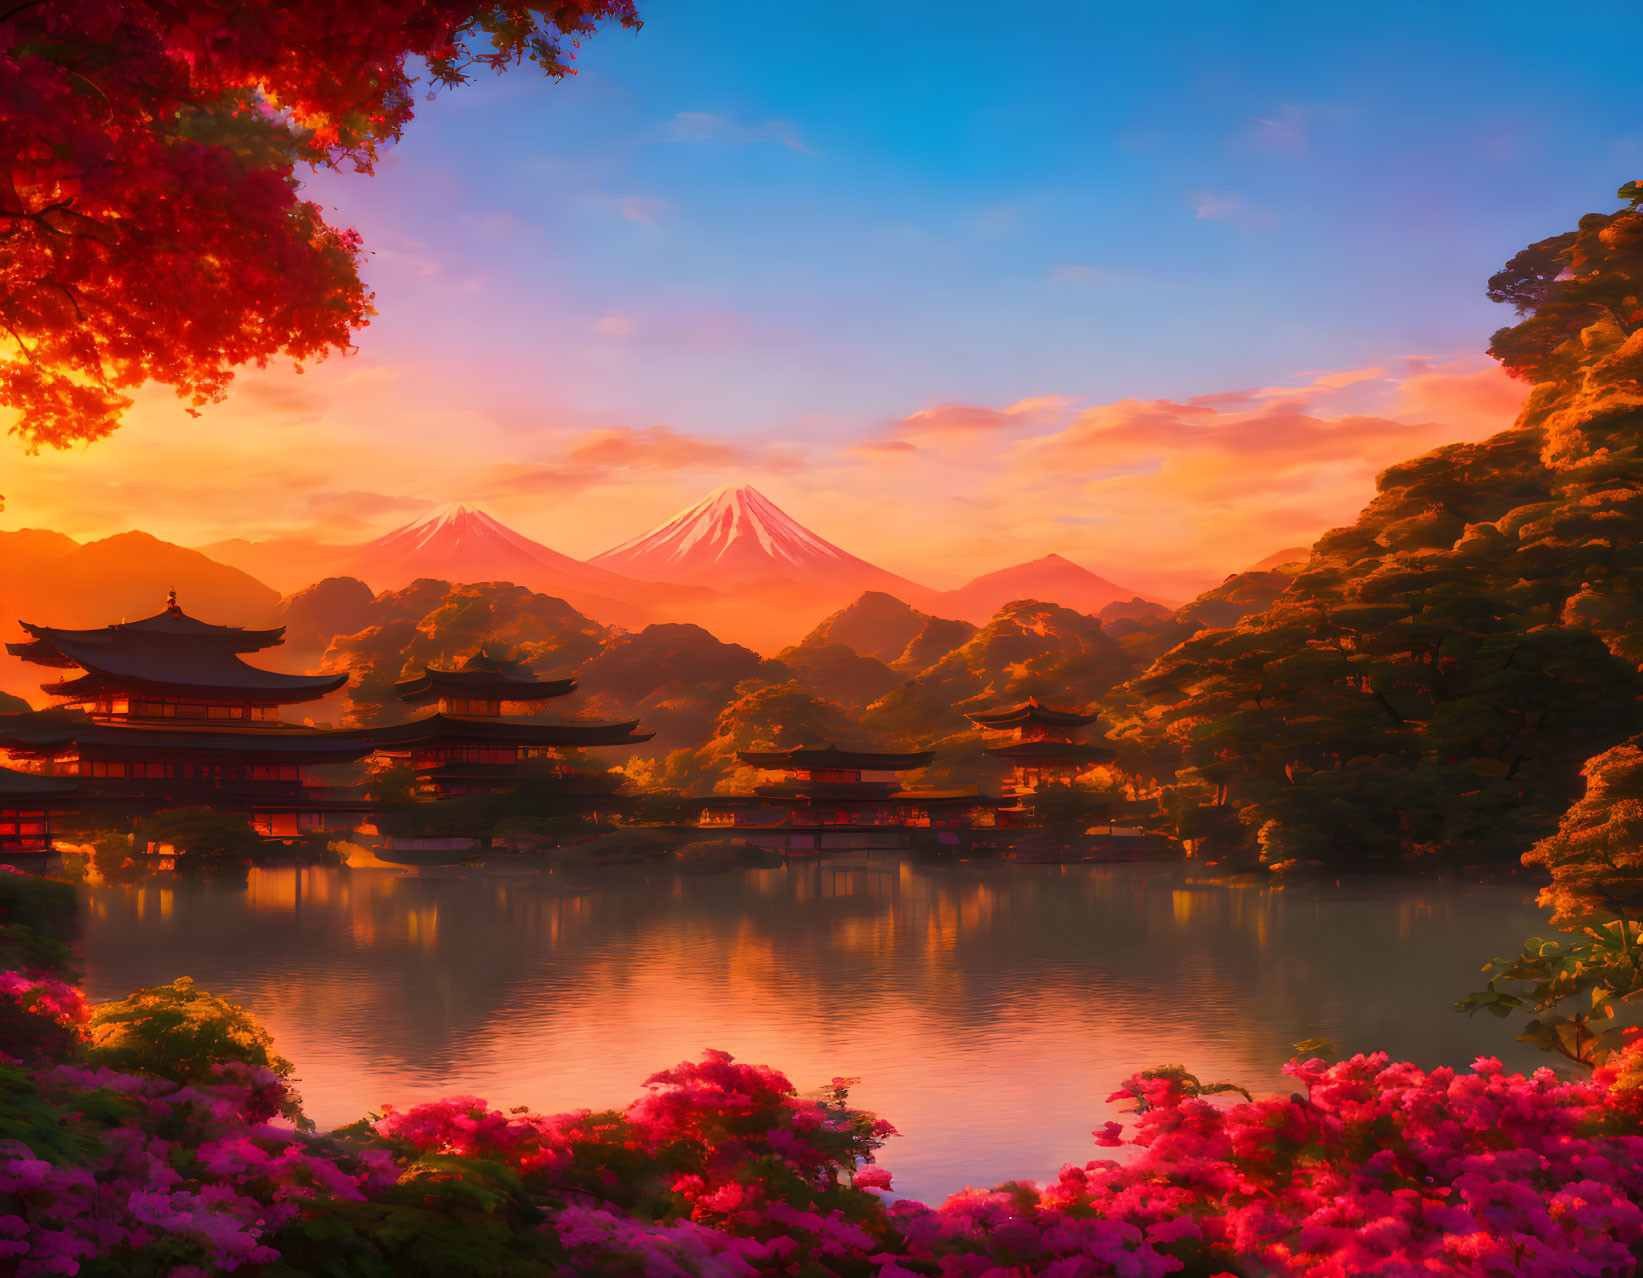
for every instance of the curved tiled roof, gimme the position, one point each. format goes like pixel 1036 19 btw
pixel 173 624
pixel 168 654
pixel 1066 750
pixel 484 679
pixel 812 758
pixel 525 732
pixel 55 731
pixel 1030 713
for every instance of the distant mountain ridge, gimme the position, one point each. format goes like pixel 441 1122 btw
pixel 461 544
pixel 733 562
pixel 1051 578
pixel 458 543
pixel 50 578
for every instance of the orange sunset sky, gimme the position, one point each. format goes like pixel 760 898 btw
pixel 1162 495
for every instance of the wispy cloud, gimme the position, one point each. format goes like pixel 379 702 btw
pixel 651 448
pixel 613 324
pixel 948 420
pixel 700 126
pixel 642 209
pixel 528 479
pixel 1230 208
pixel 1076 273
pixel 1287 132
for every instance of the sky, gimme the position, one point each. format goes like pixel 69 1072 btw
pixel 1159 288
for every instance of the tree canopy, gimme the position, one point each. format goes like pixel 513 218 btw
pixel 1437 675
pixel 151 223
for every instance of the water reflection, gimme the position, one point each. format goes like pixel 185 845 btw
pixel 988 1011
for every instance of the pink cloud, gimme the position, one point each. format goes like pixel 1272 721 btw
pixel 1479 402
pixel 883 448
pixel 651 448
pixel 700 126
pixel 1231 208
pixel 1349 377
pixel 1276 432
pixel 638 208
pixel 528 479
pixel 968 419
pixel 1285 133
pixel 357 508
pixel 614 325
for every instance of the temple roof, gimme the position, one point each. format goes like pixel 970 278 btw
pixel 168 654
pixel 828 791
pixel 173 623
pixel 483 679
pixel 1068 751
pixel 25 785
pixel 57 731
pixel 832 759
pixel 1031 714
pixel 517 774
pixel 434 728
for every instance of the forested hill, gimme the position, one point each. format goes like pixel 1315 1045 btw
pixel 1434 678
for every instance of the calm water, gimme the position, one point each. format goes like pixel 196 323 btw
pixel 987 1010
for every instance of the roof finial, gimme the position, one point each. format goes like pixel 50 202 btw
pixel 171 603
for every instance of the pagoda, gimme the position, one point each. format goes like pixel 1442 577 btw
pixel 469 746
pixel 828 799
pixel 1041 753
pixel 27 800
pixel 163 712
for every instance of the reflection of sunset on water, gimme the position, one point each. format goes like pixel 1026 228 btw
pixel 960 996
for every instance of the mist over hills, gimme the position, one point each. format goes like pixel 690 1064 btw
pixel 876 670
pixel 846 630
pixel 734 562
pixel 51 579
pixel 876 667
pixel 1050 577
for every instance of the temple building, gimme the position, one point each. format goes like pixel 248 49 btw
pixel 1041 752
pixel 469 746
pixel 26 803
pixel 163 713
pixel 828 799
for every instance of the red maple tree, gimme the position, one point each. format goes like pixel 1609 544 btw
pixel 151 222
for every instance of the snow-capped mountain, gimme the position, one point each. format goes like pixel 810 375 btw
pixel 460 543
pixel 1052 579
pixel 737 537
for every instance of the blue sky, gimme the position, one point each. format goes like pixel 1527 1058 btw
pixel 827 248
pixel 984 209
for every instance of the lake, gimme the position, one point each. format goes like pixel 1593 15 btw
pixel 988 1010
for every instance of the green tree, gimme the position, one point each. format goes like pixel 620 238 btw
pixel 182 1033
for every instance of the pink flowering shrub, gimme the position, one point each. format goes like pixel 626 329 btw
pixel 720 1170
pixel 163 1176
pixel 713 1143
pixel 41 1017
pixel 1377 1168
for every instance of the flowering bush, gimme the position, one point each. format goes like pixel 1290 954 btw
pixel 185 1034
pixel 721 1170
pixel 156 1177
pixel 40 1016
